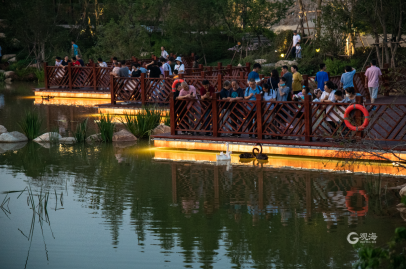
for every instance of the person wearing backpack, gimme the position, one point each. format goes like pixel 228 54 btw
pixel 250 93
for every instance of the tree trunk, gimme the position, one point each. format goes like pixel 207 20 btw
pixel 301 12
pixel 377 48
pixel 385 43
pixel 395 46
pixel 318 23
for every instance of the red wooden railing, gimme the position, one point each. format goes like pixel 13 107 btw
pixel 92 77
pixel 304 119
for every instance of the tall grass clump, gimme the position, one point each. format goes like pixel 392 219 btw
pixel 40 74
pixel 81 131
pixel 30 124
pixel 106 128
pixel 142 123
pixel 2 77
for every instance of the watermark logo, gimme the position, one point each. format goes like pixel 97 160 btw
pixel 363 238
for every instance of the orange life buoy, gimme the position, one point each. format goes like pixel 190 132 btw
pixel 348 201
pixel 176 82
pixel 363 110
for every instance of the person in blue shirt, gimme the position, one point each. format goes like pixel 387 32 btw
pixel 321 77
pixel 347 79
pixel 250 93
pixel 75 49
pixel 254 73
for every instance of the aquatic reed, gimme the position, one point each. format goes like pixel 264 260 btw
pixel 81 131
pixel 40 74
pixel 106 128
pixel 142 123
pixel 30 124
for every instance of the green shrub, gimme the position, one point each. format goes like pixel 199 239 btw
pixel 81 131
pixel 2 77
pixel 336 67
pixel 142 123
pixel 40 75
pixel 31 124
pixel 106 128
pixel 167 121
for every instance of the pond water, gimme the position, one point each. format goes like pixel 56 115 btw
pixel 118 206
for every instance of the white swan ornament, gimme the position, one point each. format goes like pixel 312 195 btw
pixel 224 157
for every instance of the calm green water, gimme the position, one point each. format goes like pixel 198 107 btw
pixel 115 206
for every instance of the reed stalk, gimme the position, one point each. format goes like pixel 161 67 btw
pixel 106 128
pixel 143 123
pixel 81 131
pixel 31 124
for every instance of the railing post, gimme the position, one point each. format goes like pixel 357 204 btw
pixel 258 106
pixel 46 79
pixel 219 65
pixel 242 75
pixel 308 118
pixel 230 69
pixel 358 115
pixel 143 88
pixel 202 74
pixel 166 74
pixel 305 80
pixel 215 115
pixel 112 92
pixel 172 113
pixel 180 76
pixel 200 67
pixel 70 75
pixel 94 78
pixel 248 67
pixel 261 77
pixel 192 54
pixel 210 70
pixel 219 82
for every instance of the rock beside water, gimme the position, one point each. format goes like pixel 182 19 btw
pixel 3 129
pixel 402 192
pixel 67 140
pixel 93 138
pixel 123 136
pixel 161 129
pixel 47 137
pixel 12 137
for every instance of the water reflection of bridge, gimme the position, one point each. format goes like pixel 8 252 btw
pixel 269 193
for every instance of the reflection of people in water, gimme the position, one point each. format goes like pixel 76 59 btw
pixel 189 206
pixel 62 123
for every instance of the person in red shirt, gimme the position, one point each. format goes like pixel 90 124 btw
pixel 75 71
pixel 75 62
pixel 206 92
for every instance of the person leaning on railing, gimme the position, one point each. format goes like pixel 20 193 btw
pixel 224 94
pixel 235 93
pixel 250 93
pixel 328 97
pixel 206 92
pixel 188 92
pixel 282 95
pixel 269 95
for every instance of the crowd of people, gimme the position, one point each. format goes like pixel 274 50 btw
pixel 289 86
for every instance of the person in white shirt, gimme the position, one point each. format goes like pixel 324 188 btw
pixel 296 39
pixel 166 66
pixel 179 65
pixel 328 97
pixel 101 63
pixel 164 54
pixel 58 61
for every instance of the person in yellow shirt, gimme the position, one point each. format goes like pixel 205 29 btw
pixel 297 80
